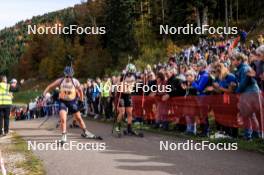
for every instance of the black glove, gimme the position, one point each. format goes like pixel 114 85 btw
pixel 81 105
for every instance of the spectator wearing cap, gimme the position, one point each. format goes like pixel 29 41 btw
pixel 5 104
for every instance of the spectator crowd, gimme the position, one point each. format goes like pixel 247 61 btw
pixel 230 69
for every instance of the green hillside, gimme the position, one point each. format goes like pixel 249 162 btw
pixel 132 30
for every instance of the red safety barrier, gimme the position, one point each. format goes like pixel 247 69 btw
pixel 231 110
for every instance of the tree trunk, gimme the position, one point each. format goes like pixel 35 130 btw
pixel 205 16
pixel 198 19
pixel 226 14
pixel 231 10
pixel 163 11
pixel 163 18
pixel 237 11
pixel 149 13
pixel 142 19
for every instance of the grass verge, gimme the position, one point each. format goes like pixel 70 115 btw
pixel 24 97
pixel 30 164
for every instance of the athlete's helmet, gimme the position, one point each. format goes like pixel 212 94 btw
pixel 68 71
pixel 13 81
pixel 131 68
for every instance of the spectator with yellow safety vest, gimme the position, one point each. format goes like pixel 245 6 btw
pixel 5 103
pixel 106 98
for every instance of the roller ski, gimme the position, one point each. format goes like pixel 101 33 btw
pixel 133 133
pixel 74 125
pixel 88 135
pixel 117 130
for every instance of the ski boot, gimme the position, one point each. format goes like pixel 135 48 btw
pixel 63 139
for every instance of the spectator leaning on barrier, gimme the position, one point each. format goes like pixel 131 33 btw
pixel 175 84
pixel 189 113
pixel 258 65
pixel 225 83
pixel 200 85
pixel 249 102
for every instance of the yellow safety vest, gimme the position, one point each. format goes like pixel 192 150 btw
pixel 106 89
pixel 5 95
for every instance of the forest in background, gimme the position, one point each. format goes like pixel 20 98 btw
pixel 132 30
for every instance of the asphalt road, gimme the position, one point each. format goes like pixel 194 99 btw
pixel 132 155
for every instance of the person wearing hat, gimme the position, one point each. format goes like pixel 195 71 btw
pixel 70 101
pixel 5 105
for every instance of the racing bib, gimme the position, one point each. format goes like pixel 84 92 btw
pixel 67 90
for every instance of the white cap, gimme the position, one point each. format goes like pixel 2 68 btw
pixel 13 81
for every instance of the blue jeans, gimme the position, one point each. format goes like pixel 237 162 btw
pixel 191 125
pixel 248 133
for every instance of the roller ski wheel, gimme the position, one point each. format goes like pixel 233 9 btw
pixel 133 133
pixel 118 133
pixel 61 143
pixel 74 126
pixel 91 136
